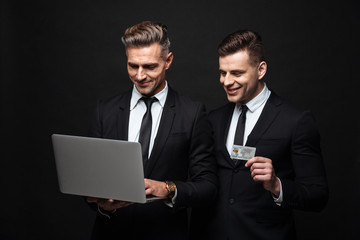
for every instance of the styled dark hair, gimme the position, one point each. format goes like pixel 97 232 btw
pixel 145 34
pixel 243 40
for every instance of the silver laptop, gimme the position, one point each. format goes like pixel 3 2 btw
pixel 103 168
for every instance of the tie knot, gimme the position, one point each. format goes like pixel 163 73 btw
pixel 148 101
pixel 244 108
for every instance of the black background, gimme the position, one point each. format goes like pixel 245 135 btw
pixel 59 57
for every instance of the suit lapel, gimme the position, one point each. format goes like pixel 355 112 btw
pixel 226 117
pixel 123 116
pixel 165 126
pixel 268 115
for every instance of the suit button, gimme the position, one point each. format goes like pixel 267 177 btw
pixel 231 200
pixel 236 170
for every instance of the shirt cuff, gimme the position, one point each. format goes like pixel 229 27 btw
pixel 171 202
pixel 278 200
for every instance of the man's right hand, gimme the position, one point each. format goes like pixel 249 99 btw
pixel 108 204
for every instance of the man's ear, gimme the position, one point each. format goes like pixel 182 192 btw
pixel 169 60
pixel 262 69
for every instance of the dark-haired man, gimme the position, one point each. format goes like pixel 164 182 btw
pixel 177 149
pixel 256 196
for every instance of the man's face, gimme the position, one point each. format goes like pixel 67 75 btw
pixel 146 68
pixel 241 80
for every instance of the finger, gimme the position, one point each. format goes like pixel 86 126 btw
pixel 109 205
pixel 117 204
pixel 259 172
pixel 257 166
pixel 147 183
pixel 261 178
pixel 102 205
pixel 148 191
pixel 124 204
pixel 105 202
pixel 265 168
pixel 249 162
pixel 259 160
pixel 91 200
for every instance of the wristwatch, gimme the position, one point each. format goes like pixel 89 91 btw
pixel 170 187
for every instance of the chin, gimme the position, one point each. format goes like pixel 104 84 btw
pixel 143 90
pixel 233 99
pixel 146 93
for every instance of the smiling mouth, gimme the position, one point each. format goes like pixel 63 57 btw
pixel 232 91
pixel 143 83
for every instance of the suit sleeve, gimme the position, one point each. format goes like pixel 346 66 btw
pixel 309 190
pixel 94 131
pixel 95 128
pixel 201 187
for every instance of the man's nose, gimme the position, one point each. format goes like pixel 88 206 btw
pixel 227 80
pixel 140 75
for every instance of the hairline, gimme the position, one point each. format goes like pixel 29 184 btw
pixel 254 61
pixel 164 51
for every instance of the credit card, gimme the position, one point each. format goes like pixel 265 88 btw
pixel 242 152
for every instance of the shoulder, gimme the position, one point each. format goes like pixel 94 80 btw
pixel 115 101
pixel 289 111
pixel 178 100
pixel 284 104
pixel 225 108
pixel 222 112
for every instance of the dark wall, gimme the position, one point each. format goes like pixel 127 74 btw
pixel 59 57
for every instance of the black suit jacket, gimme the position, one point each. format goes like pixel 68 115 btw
pixel 182 152
pixel 244 209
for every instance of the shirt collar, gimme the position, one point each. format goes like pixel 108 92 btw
pixel 259 100
pixel 136 95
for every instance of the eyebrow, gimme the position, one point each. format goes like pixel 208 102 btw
pixel 233 71
pixel 237 71
pixel 147 65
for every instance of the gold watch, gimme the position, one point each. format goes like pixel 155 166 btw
pixel 170 187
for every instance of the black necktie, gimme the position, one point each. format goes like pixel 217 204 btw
pixel 145 129
pixel 239 134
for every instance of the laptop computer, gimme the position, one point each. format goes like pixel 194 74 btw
pixel 103 168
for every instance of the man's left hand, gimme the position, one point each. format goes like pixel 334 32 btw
pixel 108 204
pixel 263 171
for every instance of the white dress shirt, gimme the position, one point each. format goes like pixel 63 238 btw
pixel 255 108
pixel 137 111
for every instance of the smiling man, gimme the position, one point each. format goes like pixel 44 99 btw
pixel 257 195
pixel 176 141
pixel 147 66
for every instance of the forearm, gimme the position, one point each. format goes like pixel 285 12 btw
pixel 305 196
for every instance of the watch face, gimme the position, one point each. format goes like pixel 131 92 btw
pixel 171 188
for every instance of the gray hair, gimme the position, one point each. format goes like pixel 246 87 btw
pixel 145 34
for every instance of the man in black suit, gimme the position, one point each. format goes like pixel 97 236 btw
pixel 178 156
pixel 256 197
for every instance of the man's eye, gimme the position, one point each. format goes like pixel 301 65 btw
pixel 133 66
pixel 236 74
pixel 151 67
